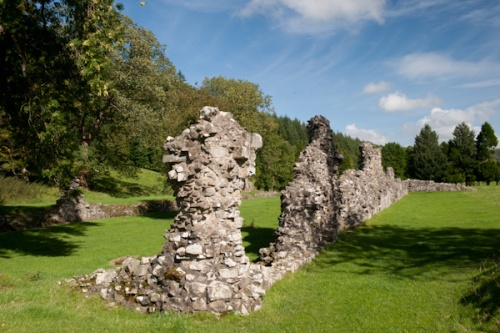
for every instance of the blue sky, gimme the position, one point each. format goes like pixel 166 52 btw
pixel 377 69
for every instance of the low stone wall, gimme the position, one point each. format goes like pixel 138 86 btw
pixel 78 210
pixel 415 185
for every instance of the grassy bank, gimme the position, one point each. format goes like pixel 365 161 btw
pixel 416 267
pixel 111 188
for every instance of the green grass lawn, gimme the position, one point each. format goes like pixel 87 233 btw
pixel 411 268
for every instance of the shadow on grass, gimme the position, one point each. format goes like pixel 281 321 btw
pixel 26 210
pixel 119 188
pixel 47 242
pixel 484 293
pixel 257 238
pixel 422 254
pixel 164 215
pixel 411 252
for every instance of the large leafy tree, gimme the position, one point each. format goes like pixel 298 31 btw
pixel 394 155
pixel 56 87
pixel 428 159
pixel 462 151
pixel 142 77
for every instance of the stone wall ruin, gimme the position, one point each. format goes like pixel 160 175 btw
pixel 203 265
pixel 308 219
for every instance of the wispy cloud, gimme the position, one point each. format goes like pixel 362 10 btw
pixel 317 16
pixel 488 15
pixel 482 84
pixel 378 87
pixel 398 101
pixel 444 121
pixel 373 136
pixel 436 65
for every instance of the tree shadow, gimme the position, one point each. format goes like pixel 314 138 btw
pixel 161 215
pixel 422 254
pixel 411 252
pixel 256 238
pixel 119 188
pixel 484 293
pixel 48 242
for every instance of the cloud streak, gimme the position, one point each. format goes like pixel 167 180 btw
pixel 398 101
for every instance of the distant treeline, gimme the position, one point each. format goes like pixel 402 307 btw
pixel 466 158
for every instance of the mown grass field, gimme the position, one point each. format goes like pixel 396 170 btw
pixel 419 266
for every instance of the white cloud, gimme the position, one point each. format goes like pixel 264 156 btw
pixel 365 134
pixel 313 16
pixel 378 87
pixel 435 65
pixel 444 121
pixel 398 101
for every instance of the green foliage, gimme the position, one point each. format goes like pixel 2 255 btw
pixel 293 131
pixel 56 77
pixel 428 159
pixel 462 152
pixel 394 155
pixel 245 100
pixel 486 142
pixel 275 164
pixel 349 147
pixel 488 171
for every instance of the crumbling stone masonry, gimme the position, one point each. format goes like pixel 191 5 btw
pixel 203 265
pixel 308 219
pixel 363 193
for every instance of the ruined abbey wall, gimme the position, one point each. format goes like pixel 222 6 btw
pixel 308 219
pixel 203 265
pixel 365 192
